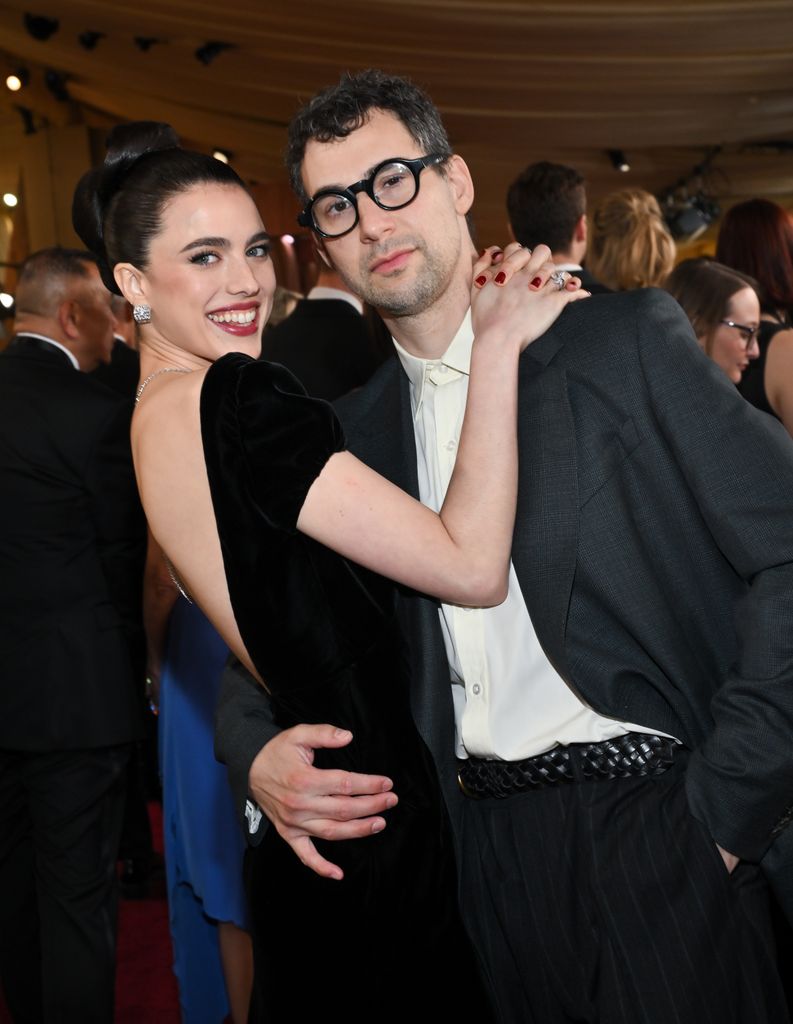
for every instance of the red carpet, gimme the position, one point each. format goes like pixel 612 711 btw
pixel 146 990
pixel 145 986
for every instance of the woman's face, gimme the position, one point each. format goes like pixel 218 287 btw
pixel 210 281
pixel 731 347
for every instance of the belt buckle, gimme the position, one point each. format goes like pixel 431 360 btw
pixel 463 788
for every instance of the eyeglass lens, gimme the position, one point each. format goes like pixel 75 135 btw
pixel 393 186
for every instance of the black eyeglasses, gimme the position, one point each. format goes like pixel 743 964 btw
pixel 392 184
pixel 747 333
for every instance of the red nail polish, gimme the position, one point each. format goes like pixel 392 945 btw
pixel 537 281
pixel 481 280
pixel 500 277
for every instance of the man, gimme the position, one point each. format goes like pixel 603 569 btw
pixel 623 719
pixel 71 535
pixel 325 342
pixel 547 203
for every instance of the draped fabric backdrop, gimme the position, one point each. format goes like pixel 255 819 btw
pixel 516 81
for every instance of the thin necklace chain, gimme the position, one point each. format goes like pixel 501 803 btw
pixel 168 369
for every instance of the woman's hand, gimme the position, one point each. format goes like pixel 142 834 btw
pixel 515 296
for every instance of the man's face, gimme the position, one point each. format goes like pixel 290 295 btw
pixel 94 322
pixel 399 261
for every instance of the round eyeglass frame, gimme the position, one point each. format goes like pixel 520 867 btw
pixel 306 217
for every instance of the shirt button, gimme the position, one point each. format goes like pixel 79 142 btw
pixel 442 368
pixel 476 689
pixel 450 446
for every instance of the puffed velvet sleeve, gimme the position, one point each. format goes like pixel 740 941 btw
pixel 282 437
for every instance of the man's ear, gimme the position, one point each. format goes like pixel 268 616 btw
pixel 322 252
pixel 68 316
pixel 459 177
pixel 130 282
pixel 580 232
pixel 510 232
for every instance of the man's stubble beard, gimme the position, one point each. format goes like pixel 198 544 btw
pixel 414 297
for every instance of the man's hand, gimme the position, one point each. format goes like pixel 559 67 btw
pixel 730 860
pixel 303 801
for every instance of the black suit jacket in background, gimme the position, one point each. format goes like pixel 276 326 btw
pixel 654 548
pixel 326 344
pixel 71 548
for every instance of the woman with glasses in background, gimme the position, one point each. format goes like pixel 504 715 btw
pixel 724 310
pixel 756 237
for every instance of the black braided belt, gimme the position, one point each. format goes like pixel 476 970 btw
pixel 633 754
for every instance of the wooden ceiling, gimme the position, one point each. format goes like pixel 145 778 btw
pixel 516 81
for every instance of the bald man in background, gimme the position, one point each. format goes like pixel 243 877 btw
pixel 71 539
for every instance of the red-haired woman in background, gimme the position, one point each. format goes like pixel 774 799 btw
pixel 756 237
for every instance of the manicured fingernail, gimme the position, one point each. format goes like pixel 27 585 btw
pixel 536 282
pixel 500 277
pixel 343 734
pixel 378 826
pixel 481 280
pixel 391 801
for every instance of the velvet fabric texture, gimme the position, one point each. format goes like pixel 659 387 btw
pixel 322 634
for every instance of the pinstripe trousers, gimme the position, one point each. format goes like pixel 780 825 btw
pixel 608 903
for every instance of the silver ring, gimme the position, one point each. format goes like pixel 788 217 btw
pixel 559 278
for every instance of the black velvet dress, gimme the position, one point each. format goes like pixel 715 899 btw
pixel 386 943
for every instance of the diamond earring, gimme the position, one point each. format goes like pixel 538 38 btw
pixel 141 314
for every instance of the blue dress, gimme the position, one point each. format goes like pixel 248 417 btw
pixel 203 844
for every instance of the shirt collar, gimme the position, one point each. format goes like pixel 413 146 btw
pixel 321 291
pixel 50 341
pixel 457 357
pixel 568 266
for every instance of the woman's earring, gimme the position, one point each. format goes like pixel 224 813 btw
pixel 141 314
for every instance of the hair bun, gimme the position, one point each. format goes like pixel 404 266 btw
pixel 127 144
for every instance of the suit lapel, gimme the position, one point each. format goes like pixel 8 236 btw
pixel 546 525
pixel 383 438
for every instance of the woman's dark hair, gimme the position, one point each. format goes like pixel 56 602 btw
pixel 756 237
pixel 118 207
pixel 704 288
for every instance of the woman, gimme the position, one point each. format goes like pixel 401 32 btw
pixel 756 237
pixel 630 245
pixel 240 475
pixel 724 311
pixel 212 953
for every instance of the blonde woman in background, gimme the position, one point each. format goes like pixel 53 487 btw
pixel 630 245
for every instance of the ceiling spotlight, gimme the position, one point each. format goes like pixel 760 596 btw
pixel 618 160
pixel 56 83
pixel 288 239
pixel 222 154
pixel 209 51
pixel 88 39
pixel 10 199
pixel 40 27
pixel 6 300
pixel 145 43
pixel 17 80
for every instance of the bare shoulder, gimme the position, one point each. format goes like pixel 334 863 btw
pixel 781 345
pixel 168 411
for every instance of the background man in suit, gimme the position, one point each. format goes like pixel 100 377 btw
pixel 71 536
pixel 547 204
pixel 325 342
pixel 623 720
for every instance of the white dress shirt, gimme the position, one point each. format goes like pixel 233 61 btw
pixel 509 701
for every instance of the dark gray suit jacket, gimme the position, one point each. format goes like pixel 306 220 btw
pixel 654 547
